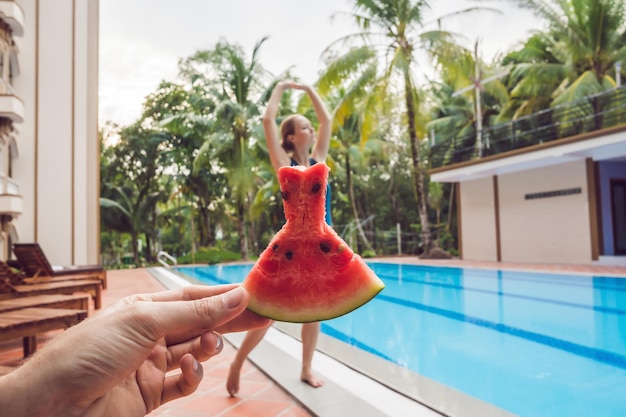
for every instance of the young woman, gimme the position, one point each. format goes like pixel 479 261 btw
pixel 296 144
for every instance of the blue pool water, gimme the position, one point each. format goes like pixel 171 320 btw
pixel 534 344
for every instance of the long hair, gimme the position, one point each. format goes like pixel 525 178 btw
pixel 288 127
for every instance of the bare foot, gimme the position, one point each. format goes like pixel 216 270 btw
pixel 232 382
pixel 311 379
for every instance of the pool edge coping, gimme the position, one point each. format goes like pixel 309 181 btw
pixel 432 395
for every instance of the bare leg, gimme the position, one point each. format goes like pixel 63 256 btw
pixel 310 332
pixel 252 338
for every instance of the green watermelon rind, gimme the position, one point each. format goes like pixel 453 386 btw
pixel 367 282
pixel 279 314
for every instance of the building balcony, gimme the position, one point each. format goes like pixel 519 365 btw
pixel 598 115
pixel 13 15
pixel 10 199
pixel 10 204
pixel 12 108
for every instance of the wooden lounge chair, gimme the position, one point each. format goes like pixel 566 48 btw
pixel 27 323
pixel 91 286
pixel 77 302
pixel 66 301
pixel 16 276
pixel 34 263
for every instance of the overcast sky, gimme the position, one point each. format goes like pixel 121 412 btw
pixel 141 41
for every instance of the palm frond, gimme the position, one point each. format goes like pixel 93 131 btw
pixel 587 84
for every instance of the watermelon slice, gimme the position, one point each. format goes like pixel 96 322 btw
pixel 307 272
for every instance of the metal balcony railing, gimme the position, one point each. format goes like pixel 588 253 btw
pixel 592 113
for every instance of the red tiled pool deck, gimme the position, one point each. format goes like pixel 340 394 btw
pixel 260 396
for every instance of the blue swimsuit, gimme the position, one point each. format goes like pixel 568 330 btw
pixel 328 218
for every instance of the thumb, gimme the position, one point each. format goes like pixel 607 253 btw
pixel 201 314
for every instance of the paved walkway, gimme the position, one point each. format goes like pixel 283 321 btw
pixel 259 396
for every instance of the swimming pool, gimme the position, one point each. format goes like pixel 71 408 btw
pixel 534 344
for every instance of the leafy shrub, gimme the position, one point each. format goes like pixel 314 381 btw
pixel 210 256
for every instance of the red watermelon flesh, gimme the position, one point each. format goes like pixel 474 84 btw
pixel 307 272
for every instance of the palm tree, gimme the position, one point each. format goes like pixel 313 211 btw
pixel 537 73
pixel 233 82
pixel 183 112
pixel 131 172
pixel 587 38
pixel 124 212
pixel 397 28
pixel 456 115
pixel 348 81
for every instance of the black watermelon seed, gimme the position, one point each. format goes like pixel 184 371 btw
pixel 289 255
pixel 285 195
pixel 316 187
pixel 275 246
pixel 325 247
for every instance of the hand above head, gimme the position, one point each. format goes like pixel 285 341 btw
pixel 117 362
pixel 299 86
pixel 288 83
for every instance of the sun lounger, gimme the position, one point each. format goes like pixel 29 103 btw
pixel 11 271
pixel 43 280
pixel 91 286
pixel 76 302
pixel 27 323
pixel 67 301
pixel 34 263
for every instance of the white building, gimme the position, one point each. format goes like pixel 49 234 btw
pixel 49 128
pixel 559 200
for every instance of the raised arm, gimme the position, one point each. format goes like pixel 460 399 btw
pixel 320 150
pixel 278 156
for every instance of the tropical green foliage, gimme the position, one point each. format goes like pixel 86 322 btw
pixel 398 30
pixel 137 165
pixel 578 53
pixel 192 175
pixel 212 255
